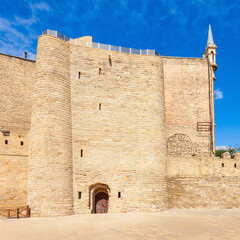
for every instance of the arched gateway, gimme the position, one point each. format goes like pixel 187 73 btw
pixel 99 194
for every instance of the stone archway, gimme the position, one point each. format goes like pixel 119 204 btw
pixel 99 194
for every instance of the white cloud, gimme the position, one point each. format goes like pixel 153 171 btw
pixel 7 28
pixel 25 21
pixel 12 40
pixel 218 94
pixel 222 147
pixel 40 6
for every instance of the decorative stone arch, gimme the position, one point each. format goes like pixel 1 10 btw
pixel 94 189
pixel 179 145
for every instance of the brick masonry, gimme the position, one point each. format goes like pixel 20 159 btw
pixel 140 129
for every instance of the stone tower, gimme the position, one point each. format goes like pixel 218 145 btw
pixel 50 181
pixel 210 54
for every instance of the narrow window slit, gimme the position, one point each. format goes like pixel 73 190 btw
pixel 100 70
pixel 235 165
pixel 110 60
pixel 81 152
pixel 6 141
pixel 79 75
pixel 100 106
pixel 79 195
pixel 222 164
pixel 119 194
pixel 21 143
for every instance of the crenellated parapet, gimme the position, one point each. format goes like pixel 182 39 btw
pixel 226 155
pixel 236 156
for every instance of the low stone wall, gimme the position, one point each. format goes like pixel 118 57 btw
pixel 204 182
pixel 204 192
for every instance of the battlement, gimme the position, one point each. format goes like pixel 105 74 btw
pixel 87 43
pixel 227 155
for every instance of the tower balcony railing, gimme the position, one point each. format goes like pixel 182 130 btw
pixel 101 45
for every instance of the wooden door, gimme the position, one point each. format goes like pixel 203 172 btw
pixel 101 202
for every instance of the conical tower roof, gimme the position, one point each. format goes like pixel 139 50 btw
pixel 210 36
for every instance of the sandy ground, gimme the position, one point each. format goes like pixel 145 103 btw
pixel 171 224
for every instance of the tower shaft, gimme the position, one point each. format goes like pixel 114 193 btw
pixel 50 191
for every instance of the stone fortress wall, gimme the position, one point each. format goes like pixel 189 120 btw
pixel 16 88
pixel 187 103
pixel 200 182
pixel 196 178
pixel 123 139
pixel 138 127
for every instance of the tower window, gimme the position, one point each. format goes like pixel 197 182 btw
pixel 100 106
pixel 119 194
pixel 235 165
pixel 21 143
pixel 6 134
pixel 100 70
pixel 222 164
pixel 6 141
pixel 79 75
pixel 79 195
pixel 81 152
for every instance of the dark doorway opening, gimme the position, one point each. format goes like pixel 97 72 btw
pixel 101 202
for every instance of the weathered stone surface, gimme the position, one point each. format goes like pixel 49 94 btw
pixel 50 170
pixel 139 129
pixel 226 155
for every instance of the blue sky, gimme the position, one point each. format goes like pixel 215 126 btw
pixel 172 27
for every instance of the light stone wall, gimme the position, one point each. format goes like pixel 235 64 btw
pixel 204 192
pixel 16 80
pixel 203 182
pixel 149 105
pixel 187 100
pixel 13 180
pixel 50 182
pixel 123 143
pixel 16 88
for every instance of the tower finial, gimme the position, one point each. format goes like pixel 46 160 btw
pixel 210 51
pixel 210 36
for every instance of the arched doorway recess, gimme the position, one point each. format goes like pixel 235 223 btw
pixel 99 194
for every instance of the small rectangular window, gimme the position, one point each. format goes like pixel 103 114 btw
pixel 6 141
pixel 119 194
pixel 6 134
pixel 222 164
pixel 79 195
pixel 235 165
pixel 100 106
pixel 100 70
pixel 81 152
pixel 21 143
pixel 79 75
